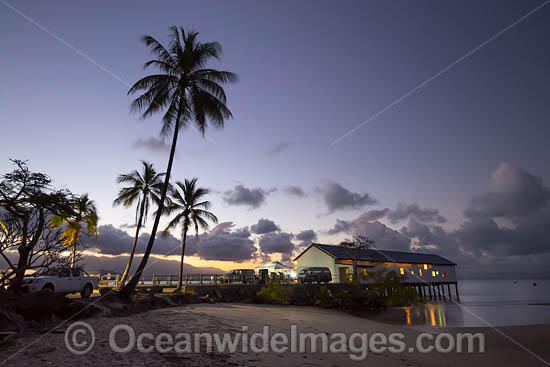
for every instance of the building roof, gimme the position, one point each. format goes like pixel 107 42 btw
pixel 342 253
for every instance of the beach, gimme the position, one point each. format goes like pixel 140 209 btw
pixel 504 346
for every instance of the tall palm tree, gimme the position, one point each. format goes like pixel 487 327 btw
pixel 192 211
pixel 144 187
pixel 187 92
pixel 84 214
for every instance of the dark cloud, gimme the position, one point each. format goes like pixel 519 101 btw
pixel 114 241
pixel 151 144
pixel 425 215
pixel 278 147
pixel 512 218
pixel 338 197
pixel 295 191
pixel 306 237
pixel 385 237
pixel 224 243
pixel 277 243
pixel 264 226
pixel 128 226
pixel 241 195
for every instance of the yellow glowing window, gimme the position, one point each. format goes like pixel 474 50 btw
pixel 401 271
pixel 437 272
pixel 433 273
pixel 420 271
pixel 412 272
pixel 425 266
pixel 443 275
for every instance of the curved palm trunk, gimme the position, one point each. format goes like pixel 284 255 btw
pixel 131 286
pixel 180 278
pixel 133 251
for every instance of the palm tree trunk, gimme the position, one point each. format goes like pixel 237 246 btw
pixel 180 279
pixel 130 287
pixel 138 227
pixel 73 262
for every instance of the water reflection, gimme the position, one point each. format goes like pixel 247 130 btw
pixel 434 314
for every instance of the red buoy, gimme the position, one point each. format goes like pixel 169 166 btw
pixel 534 284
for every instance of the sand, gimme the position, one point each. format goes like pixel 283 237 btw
pixel 50 349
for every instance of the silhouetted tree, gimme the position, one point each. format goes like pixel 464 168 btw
pixel 27 202
pixel 186 200
pixel 144 187
pixel 187 92
pixel 356 247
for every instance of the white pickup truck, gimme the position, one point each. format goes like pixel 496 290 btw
pixel 63 281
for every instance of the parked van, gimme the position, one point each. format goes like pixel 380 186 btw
pixel 315 274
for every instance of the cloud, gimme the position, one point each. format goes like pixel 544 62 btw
pixel 224 243
pixel 512 218
pixel 264 226
pixel 295 191
pixel 306 237
pixel 404 211
pixel 240 195
pixel 337 197
pixel 385 237
pixel 278 147
pixel 151 144
pixel 114 241
pixel 277 243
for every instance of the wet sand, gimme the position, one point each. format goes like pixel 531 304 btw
pixel 504 346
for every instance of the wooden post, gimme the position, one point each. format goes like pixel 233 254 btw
pixel 200 279
pixel 186 279
pixel 430 290
pixel 456 290
pixel 215 279
pixel 170 280
pixel 116 279
pixel 153 280
pixel 449 291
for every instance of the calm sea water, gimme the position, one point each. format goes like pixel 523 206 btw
pixel 496 302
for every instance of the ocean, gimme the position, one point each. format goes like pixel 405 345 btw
pixel 482 303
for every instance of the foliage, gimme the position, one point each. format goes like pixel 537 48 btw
pixel 324 297
pixel 356 247
pixel 187 92
pixel 387 285
pixel 84 214
pixel 275 293
pixel 28 202
pixel 144 187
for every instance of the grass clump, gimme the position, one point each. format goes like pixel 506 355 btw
pixel 275 293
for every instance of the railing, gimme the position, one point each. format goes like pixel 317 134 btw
pixel 163 280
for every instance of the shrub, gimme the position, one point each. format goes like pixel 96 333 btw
pixel 324 297
pixel 275 293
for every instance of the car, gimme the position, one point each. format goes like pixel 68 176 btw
pixel 314 274
pixel 64 280
pixel 245 276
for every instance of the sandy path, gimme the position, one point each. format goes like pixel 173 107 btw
pixel 220 318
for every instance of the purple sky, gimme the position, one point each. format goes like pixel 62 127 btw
pixel 310 71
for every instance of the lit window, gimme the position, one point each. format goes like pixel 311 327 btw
pixel 412 272
pixel 437 272
pixel 425 266
pixel 420 270
pixel 443 275
pixel 401 271
pixel 433 273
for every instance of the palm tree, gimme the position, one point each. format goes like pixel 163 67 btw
pixel 191 210
pixel 144 187
pixel 84 214
pixel 187 92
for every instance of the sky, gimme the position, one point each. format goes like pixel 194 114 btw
pixel 459 166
